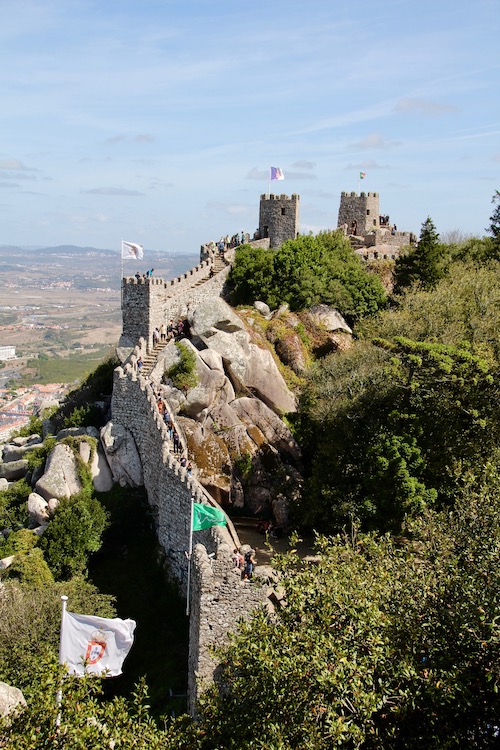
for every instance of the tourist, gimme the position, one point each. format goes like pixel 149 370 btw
pixel 250 563
pixel 170 330
pixel 176 441
pixel 163 332
pixel 189 468
pixel 139 364
pixel 180 328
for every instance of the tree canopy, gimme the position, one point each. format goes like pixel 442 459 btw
pixel 307 271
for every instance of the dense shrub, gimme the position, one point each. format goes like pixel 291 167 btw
pixel 307 271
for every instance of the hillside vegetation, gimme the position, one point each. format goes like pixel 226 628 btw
pixel 390 640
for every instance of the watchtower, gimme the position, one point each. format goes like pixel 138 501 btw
pixel 359 212
pixel 143 307
pixel 279 218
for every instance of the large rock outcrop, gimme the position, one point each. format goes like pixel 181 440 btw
pixel 60 478
pixel 249 367
pixel 122 455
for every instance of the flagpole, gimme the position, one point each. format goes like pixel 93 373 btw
pixel 190 553
pixel 64 601
pixel 121 276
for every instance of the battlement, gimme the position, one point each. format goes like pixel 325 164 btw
pixel 279 218
pixel 282 197
pixel 345 194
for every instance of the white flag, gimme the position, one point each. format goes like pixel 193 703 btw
pixel 95 644
pixel 277 173
pixel 132 250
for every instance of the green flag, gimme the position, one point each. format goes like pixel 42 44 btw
pixel 204 517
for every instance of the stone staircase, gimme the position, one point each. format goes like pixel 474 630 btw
pixel 218 264
pixel 149 360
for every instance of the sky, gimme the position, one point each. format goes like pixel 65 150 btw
pixel 157 121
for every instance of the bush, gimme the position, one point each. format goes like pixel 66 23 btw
pixel 183 374
pixel 13 508
pixel 72 535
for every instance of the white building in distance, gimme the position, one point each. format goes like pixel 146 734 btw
pixel 7 352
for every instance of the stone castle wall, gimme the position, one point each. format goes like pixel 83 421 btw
pixel 147 303
pixel 364 209
pixel 279 218
pixel 218 596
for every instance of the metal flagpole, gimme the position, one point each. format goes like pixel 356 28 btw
pixel 190 553
pixel 64 600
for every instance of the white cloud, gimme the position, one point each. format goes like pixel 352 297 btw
pixel 374 141
pixel 423 107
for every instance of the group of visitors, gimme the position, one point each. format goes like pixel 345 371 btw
pixel 245 563
pixel 164 333
pixel 147 275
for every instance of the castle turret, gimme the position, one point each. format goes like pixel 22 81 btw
pixel 359 212
pixel 279 218
pixel 143 307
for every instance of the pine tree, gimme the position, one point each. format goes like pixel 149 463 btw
pixel 424 264
pixel 494 227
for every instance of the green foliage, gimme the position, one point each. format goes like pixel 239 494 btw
pixel 86 721
pixel 307 271
pixel 33 427
pixel 37 457
pixel 13 508
pixel 30 618
pixel 252 275
pixel 378 646
pixel 388 429
pixel 18 542
pixel 463 307
pixel 74 533
pixel 79 417
pixel 78 408
pixel 244 464
pixel 30 569
pixel 424 264
pixel 183 374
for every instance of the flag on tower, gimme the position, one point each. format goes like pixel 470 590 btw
pixel 362 175
pixel 95 644
pixel 205 516
pixel 132 250
pixel 277 174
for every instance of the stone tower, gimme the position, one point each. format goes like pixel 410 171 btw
pixel 279 218
pixel 143 307
pixel 362 211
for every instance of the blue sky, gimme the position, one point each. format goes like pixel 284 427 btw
pixel 156 121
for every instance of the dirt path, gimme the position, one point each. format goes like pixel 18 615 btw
pixel 249 535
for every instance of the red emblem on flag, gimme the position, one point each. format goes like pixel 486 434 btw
pixel 96 647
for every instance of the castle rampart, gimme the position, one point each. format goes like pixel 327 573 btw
pixel 147 303
pixel 218 596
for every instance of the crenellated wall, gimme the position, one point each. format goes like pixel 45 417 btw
pixel 218 596
pixel 279 218
pixel 147 303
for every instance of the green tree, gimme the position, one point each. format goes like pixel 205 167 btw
pixel 494 227
pixel 307 271
pixel 74 533
pixel 380 645
pixel 388 432
pixel 424 264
